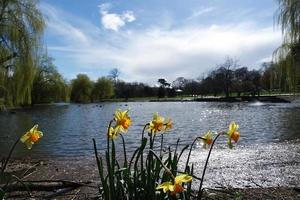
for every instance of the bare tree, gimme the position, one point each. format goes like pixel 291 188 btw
pixel 114 74
pixel 226 73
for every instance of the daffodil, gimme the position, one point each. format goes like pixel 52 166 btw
pixel 123 121
pixel 233 133
pixel 168 125
pixel 157 123
pixel 207 139
pixel 112 134
pixel 31 137
pixel 175 186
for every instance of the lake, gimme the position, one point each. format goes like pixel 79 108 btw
pixel 69 128
pixel 267 154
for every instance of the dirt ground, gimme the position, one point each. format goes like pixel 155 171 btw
pixel 77 178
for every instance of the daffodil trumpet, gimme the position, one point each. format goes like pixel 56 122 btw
pixel 123 121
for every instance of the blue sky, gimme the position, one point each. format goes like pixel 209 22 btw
pixel 147 40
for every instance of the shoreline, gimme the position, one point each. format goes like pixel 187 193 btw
pixel 78 170
pixel 284 98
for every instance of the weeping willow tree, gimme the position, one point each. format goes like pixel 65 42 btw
pixel 48 85
pixel 21 27
pixel 287 56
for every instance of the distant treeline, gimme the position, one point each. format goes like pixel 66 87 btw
pixel 28 75
pixel 228 79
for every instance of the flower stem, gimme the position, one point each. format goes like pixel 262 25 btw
pixel 161 144
pixel 205 166
pixel 142 157
pixel 124 149
pixel 161 162
pixel 188 158
pixel 9 155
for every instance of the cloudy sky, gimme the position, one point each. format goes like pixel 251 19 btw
pixel 147 40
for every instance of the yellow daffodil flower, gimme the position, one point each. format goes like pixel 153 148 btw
pixel 31 136
pixel 233 133
pixel 157 123
pixel 175 187
pixel 168 125
pixel 207 139
pixel 123 121
pixel 112 134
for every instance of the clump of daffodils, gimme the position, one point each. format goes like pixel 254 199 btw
pixel 147 177
pixel 158 124
pixel 31 137
pixel 122 123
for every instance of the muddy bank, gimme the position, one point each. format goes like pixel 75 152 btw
pixel 50 171
pixel 270 171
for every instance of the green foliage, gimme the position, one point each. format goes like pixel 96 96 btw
pixel 2 194
pixel 150 168
pixel 288 18
pixel 22 25
pixel 288 54
pixel 138 177
pixel 102 89
pixel 48 85
pixel 81 89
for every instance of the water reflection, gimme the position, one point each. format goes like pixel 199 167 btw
pixel 69 128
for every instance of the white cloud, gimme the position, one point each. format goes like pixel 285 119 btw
pixel 128 16
pixel 148 54
pixel 201 11
pixel 114 21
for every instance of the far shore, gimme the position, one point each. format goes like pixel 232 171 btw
pixel 276 98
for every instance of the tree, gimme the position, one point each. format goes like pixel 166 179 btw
pixel 114 74
pixel 161 92
pixel 163 82
pixel 225 74
pixel 48 85
pixel 288 17
pixel 162 88
pixel 288 54
pixel 240 77
pixel 192 87
pixel 179 83
pixel 81 89
pixel 103 89
pixel 22 25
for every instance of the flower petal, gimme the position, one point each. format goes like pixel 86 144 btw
pixel 29 144
pixel 183 178
pixel 165 186
pixel 34 128
pixel 25 137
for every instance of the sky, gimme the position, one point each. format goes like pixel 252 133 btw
pixel 147 40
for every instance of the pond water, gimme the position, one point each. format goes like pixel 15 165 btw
pixel 267 154
pixel 69 128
